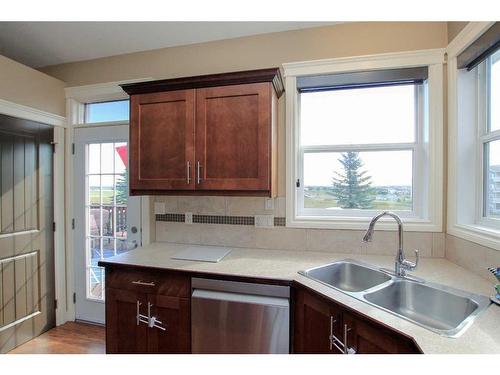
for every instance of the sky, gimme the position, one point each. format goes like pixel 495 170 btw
pixel 107 111
pixel 370 115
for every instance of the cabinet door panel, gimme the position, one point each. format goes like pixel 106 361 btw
pixel 162 141
pixel 233 137
pixel 123 335
pixel 368 338
pixel 315 319
pixel 174 313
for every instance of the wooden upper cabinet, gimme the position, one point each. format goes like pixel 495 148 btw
pixel 213 134
pixel 233 137
pixel 162 141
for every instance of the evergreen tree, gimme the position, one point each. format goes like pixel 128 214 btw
pixel 352 188
pixel 122 189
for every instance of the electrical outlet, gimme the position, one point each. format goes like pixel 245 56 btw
pixel 159 208
pixel 188 218
pixel 269 205
pixel 264 221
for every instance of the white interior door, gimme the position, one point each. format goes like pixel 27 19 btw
pixel 107 220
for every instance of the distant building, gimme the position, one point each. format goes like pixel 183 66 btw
pixel 494 191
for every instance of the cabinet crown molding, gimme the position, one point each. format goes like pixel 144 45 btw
pixel 272 75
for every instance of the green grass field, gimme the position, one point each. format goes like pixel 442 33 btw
pixel 324 199
pixel 107 196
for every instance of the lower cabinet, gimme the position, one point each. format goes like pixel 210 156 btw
pixel 147 313
pixel 322 326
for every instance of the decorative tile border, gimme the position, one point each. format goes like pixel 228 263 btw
pixel 279 221
pixel 179 218
pixel 216 219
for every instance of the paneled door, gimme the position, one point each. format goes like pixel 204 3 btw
pixel 26 231
pixel 107 220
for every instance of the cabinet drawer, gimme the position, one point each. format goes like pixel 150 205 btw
pixel 145 281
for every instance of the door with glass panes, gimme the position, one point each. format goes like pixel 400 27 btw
pixel 107 220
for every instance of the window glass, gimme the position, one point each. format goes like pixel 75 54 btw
pixel 106 210
pixel 360 115
pixel 358 149
pixel 379 180
pixel 107 111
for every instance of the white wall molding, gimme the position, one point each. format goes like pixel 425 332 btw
pixel 100 92
pixel 29 113
pixel 469 34
pixel 365 62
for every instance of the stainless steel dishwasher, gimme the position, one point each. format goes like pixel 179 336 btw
pixel 237 317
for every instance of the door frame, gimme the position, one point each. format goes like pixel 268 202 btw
pixel 76 97
pixel 60 129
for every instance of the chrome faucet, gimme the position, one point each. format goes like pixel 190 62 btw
pixel 401 265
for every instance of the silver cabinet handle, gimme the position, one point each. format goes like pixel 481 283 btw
pixel 334 340
pixel 188 172
pixel 152 321
pixel 143 283
pixel 155 323
pixel 140 317
pixel 198 172
pixel 347 350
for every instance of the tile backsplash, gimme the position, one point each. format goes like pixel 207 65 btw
pixel 206 232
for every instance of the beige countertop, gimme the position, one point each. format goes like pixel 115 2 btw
pixel 482 337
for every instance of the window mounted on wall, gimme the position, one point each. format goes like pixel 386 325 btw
pixel 474 140
pixel 363 141
pixel 358 149
pixel 489 139
pixel 111 111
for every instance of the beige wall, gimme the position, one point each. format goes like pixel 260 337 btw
pixel 23 85
pixel 454 28
pixel 472 256
pixel 259 51
pixel 273 50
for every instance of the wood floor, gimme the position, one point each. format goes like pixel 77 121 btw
pixel 69 338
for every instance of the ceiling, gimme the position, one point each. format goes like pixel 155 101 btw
pixel 39 44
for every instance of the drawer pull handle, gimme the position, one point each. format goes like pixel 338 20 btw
pixel 143 283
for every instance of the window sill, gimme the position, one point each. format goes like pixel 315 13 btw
pixel 361 223
pixel 478 234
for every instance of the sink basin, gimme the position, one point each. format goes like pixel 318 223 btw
pixel 347 276
pixel 437 309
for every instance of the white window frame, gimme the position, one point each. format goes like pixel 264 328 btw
pixel 431 221
pixel 483 136
pixel 465 220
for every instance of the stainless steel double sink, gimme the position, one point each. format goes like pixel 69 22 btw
pixel 441 309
